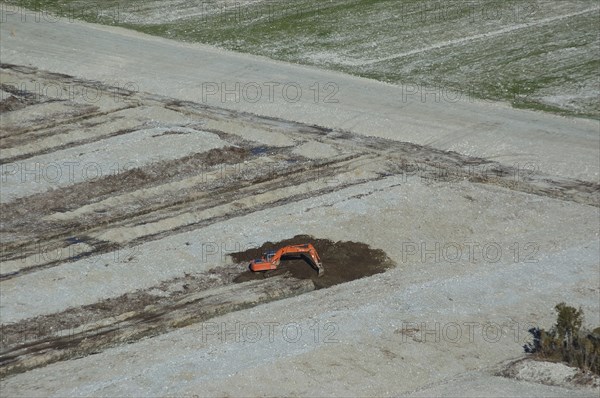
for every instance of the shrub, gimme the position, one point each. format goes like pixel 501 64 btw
pixel 566 341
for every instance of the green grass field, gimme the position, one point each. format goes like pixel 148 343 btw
pixel 534 54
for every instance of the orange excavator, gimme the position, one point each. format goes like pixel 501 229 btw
pixel 272 258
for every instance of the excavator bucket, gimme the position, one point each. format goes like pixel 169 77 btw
pixel 320 269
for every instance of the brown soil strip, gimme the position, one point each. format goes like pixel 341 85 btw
pixel 85 330
pixel 22 229
pixel 24 214
pixel 32 73
pixel 19 99
pixel 44 326
pixel 54 235
pixel 71 144
pixel 153 320
pixel 426 162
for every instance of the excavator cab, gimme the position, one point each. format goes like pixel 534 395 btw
pixel 265 261
pixel 272 258
pixel 269 255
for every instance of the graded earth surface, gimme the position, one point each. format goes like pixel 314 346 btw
pixel 135 192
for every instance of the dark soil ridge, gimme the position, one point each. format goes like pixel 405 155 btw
pixel 155 319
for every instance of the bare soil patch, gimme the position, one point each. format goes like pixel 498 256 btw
pixel 550 373
pixel 94 336
pixel 343 261
pixel 180 302
pixel 45 326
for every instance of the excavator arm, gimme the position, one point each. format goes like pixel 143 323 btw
pixel 270 261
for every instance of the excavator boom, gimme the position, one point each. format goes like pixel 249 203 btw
pixel 271 260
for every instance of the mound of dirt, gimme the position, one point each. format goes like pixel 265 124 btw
pixel 12 103
pixel 342 261
pixel 550 373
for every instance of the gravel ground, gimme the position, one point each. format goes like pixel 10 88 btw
pixel 433 325
pixel 477 384
pixel 116 151
pixel 129 59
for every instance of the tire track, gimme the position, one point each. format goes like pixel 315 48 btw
pixel 468 39
pixel 204 208
pixel 151 321
pixel 168 197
